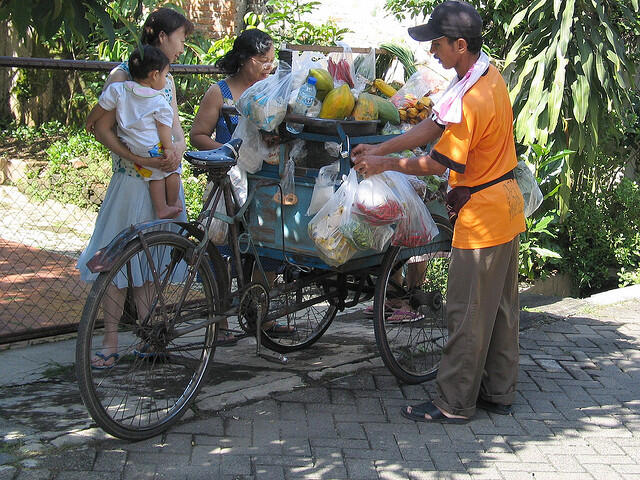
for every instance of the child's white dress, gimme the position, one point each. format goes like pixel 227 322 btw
pixel 127 202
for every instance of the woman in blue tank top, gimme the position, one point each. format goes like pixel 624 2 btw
pixel 250 60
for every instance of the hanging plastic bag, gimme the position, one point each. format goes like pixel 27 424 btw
pixel 286 194
pixel 253 150
pixel 364 236
pixel 265 102
pixel 529 187
pixel 218 229
pixel 364 68
pixel 324 187
pixel 301 65
pixel 376 203
pixel 324 228
pixel 422 83
pixel 340 66
pixel 417 228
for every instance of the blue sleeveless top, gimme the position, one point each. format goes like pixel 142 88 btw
pixel 223 135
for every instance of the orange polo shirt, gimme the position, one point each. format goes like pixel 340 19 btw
pixel 477 150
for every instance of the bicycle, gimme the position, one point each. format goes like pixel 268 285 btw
pixel 165 288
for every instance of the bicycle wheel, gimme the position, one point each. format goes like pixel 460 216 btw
pixel 300 311
pixel 165 338
pixel 409 308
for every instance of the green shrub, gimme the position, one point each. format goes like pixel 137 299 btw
pixel 77 172
pixel 603 238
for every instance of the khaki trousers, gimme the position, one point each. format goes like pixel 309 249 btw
pixel 483 313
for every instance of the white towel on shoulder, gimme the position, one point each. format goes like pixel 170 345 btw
pixel 448 108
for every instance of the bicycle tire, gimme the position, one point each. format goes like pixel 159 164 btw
pixel 411 347
pixel 158 372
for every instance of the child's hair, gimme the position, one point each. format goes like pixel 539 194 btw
pixel 163 20
pixel 150 59
pixel 248 44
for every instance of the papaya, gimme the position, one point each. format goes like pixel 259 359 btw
pixel 387 112
pixel 338 103
pixel 324 82
pixel 366 108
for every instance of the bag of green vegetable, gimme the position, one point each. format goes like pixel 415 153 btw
pixel 324 227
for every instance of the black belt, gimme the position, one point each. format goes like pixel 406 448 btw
pixel 507 176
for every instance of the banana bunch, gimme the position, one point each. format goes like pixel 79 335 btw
pixel 415 110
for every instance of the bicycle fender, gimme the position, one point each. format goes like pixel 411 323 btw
pixel 103 259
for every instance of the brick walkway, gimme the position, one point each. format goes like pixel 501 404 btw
pixel 576 416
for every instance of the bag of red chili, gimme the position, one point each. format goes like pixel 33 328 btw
pixel 376 203
pixel 416 228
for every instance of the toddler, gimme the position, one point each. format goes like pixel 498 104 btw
pixel 144 119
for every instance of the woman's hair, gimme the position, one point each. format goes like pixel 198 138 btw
pixel 248 44
pixel 163 20
pixel 141 63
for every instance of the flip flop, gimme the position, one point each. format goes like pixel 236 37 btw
pixel 226 339
pixel 404 316
pixel 105 359
pixel 417 413
pixel 144 351
pixel 492 407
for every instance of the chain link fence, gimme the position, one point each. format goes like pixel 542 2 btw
pixel 41 237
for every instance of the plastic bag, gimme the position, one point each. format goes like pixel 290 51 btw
pixel 340 66
pixel 253 150
pixel 417 228
pixel 301 65
pixel 422 83
pixel 286 194
pixel 376 203
pixel 324 228
pixel 529 187
pixel 265 102
pixel 218 229
pixel 323 188
pixel 364 71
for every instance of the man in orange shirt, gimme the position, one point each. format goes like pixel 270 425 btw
pixel 473 126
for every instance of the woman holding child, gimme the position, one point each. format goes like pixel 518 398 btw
pixel 128 200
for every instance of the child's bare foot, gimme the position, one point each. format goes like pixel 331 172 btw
pixel 170 211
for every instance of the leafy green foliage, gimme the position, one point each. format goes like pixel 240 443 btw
pixel 283 21
pixel 77 172
pixel 603 236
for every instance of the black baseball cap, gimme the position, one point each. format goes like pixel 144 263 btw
pixel 450 19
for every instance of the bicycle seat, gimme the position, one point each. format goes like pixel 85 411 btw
pixel 222 157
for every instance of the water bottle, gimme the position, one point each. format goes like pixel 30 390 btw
pixel 306 96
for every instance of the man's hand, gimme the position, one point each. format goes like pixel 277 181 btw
pixel 364 149
pixel 368 165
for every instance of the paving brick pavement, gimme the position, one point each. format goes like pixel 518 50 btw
pixel 576 416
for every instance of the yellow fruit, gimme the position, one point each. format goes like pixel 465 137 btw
pixel 338 103
pixel 423 114
pixel 385 88
pixel 324 82
pixel 366 108
pixel 412 112
pixel 426 101
pixel 402 114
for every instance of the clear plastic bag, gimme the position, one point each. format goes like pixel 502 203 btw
pixel 324 228
pixel 265 102
pixel 376 203
pixel 323 188
pixel 253 150
pixel 218 229
pixel 340 66
pixel 364 71
pixel 286 194
pixel 422 83
pixel 417 228
pixel 364 236
pixel 529 187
